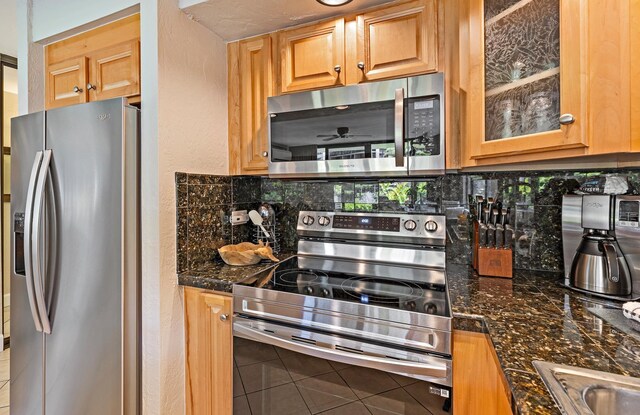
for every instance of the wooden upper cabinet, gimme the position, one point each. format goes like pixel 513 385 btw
pixel 312 56
pixel 255 87
pixel 66 83
pixel 115 71
pixel 398 41
pixel 103 63
pixel 526 87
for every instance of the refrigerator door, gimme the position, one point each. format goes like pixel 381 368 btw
pixel 27 134
pixel 84 352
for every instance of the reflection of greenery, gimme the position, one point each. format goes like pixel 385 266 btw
pixel 364 207
pixel 398 192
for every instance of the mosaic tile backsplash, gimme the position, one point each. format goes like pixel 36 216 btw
pixel 204 205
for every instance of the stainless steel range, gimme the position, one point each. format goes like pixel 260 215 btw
pixel 365 289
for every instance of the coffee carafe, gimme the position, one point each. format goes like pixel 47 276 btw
pixel 601 244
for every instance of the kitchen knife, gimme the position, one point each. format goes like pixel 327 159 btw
pixel 503 219
pixel 490 201
pixel 508 236
pixel 486 216
pixel 482 235
pixel 499 236
pixel 507 221
pixel 491 236
pixel 479 201
pixel 495 213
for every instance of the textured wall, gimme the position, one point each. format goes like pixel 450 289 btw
pixel 192 134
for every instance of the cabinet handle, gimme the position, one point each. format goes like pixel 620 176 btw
pixel 566 119
pixel 337 68
pixel 76 89
pixel 90 86
pixel 224 317
pixel 361 66
pixel 265 153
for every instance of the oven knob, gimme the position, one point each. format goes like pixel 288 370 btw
pixel 431 226
pixel 410 305
pixel 324 292
pixel 324 220
pixel 430 308
pixel 308 220
pixel 308 290
pixel 410 225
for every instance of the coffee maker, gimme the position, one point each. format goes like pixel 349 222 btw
pixel 601 245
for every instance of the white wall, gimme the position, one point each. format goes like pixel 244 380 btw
pixel 50 18
pixel 8 28
pixel 192 137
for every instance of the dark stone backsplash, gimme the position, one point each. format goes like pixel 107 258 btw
pixel 204 205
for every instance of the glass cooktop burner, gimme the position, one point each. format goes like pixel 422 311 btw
pixel 380 291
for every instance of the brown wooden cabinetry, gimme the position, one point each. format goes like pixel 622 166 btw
pixel 66 82
pixel 312 57
pixel 548 79
pixel 479 387
pixel 99 64
pixel 250 83
pixel 208 352
pixel 398 41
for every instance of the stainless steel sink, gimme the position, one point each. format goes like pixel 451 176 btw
pixel 584 391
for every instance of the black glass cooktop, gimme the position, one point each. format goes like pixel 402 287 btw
pixel 384 291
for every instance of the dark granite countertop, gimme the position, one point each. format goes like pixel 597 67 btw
pixel 218 276
pixel 531 317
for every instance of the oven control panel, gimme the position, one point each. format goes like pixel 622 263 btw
pixel 385 227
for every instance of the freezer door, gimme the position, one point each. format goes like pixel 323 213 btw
pixel 27 134
pixel 84 356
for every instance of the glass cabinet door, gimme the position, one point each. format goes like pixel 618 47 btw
pixel 529 68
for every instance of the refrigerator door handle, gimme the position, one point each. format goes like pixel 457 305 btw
pixel 38 264
pixel 28 225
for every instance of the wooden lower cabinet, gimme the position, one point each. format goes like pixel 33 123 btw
pixel 479 386
pixel 208 352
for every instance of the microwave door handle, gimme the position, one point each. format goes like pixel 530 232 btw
pixel 28 230
pixel 398 130
pixel 38 268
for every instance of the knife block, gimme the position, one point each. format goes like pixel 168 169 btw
pixel 491 262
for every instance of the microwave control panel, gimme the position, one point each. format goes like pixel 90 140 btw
pixel 423 126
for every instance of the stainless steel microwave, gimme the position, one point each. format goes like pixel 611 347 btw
pixel 386 128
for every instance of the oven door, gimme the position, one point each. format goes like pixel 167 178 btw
pixel 350 131
pixel 404 362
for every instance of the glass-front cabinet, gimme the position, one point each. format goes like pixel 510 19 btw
pixel 525 85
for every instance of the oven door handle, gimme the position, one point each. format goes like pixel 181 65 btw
pixel 402 367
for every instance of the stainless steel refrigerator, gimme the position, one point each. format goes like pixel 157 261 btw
pixel 75 277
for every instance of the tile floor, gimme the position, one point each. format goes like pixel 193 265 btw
pixel 272 381
pixel 4 381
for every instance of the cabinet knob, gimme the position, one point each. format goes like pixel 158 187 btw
pixel 566 119
pixel 224 317
pixel 90 86
pixel 265 153
pixel 76 89
pixel 337 68
pixel 361 66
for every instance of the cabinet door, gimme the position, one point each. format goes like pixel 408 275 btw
pixel 209 352
pixel 312 56
pixel 66 83
pixel 255 87
pixel 115 71
pixel 478 385
pixel 526 80
pixel 398 41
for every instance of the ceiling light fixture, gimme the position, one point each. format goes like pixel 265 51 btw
pixel 342 107
pixel 334 3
